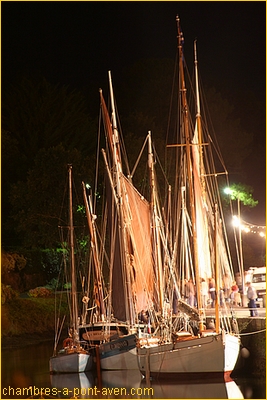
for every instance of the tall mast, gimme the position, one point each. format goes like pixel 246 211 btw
pixel 113 114
pixel 74 311
pixel 94 247
pixel 199 123
pixel 155 222
pixel 216 262
pixel 113 138
pixel 189 161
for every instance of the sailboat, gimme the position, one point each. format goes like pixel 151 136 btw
pixel 73 357
pixel 133 231
pixel 189 346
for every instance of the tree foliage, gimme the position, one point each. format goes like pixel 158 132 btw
pixel 243 193
pixel 38 116
pixel 37 204
pixel 46 126
pixel 11 262
pixel 41 115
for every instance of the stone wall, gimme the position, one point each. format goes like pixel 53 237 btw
pixel 253 339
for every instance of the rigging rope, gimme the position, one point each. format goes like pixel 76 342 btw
pixel 250 333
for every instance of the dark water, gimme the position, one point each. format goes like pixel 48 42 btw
pixel 25 373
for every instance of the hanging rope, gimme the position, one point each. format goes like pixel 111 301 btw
pixel 251 333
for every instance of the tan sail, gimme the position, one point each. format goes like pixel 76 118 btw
pixel 132 277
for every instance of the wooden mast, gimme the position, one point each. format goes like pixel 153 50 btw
pixel 189 164
pixel 217 286
pixel 199 125
pixel 74 311
pixel 122 213
pixel 94 247
pixel 155 222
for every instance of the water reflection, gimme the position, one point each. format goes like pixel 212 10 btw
pixel 170 389
pixel 73 385
pixel 129 384
pixel 28 367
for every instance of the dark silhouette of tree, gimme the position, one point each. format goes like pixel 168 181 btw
pixel 40 115
pixel 38 207
pixel 37 117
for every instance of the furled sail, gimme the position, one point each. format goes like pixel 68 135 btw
pixel 131 262
pixel 201 207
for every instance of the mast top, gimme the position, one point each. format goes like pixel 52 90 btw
pixel 180 33
pixel 195 51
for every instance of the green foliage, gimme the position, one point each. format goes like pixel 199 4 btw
pixel 50 264
pixel 67 286
pixel 46 126
pixel 243 193
pixel 52 285
pixel 38 116
pixel 39 205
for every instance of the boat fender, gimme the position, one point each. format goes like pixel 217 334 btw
pixel 68 342
pixel 244 352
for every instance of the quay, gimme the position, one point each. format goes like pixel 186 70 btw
pixel 253 344
pixel 252 359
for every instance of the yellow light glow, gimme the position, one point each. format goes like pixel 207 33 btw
pixel 236 221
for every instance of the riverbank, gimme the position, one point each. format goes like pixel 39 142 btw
pixel 27 339
pixel 29 321
pixel 26 321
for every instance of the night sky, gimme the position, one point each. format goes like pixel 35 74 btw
pixel 76 43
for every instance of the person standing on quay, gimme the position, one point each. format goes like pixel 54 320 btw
pixel 251 295
pixel 190 292
pixel 204 290
pixel 212 291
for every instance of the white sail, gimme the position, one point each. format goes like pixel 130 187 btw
pixel 200 253
pixel 201 206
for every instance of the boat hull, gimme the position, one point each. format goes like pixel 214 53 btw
pixel 212 354
pixel 119 354
pixel 71 363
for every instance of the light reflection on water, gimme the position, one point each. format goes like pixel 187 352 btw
pixel 28 367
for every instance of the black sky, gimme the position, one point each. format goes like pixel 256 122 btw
pixel 76 43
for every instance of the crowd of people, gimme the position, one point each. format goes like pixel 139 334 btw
pixel 230 293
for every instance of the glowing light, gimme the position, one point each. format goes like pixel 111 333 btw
pixel 236 221
pixel 242 194
pixel 246 227
pixel 228 190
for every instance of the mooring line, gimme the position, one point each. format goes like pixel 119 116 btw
pixel 251 333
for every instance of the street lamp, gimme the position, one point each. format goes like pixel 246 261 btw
pixel 235 195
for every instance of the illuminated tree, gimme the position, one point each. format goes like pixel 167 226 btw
pixel 242 193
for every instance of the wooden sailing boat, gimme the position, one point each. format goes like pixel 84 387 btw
pixel 189 347
pixel 72 357
pixel 134 251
